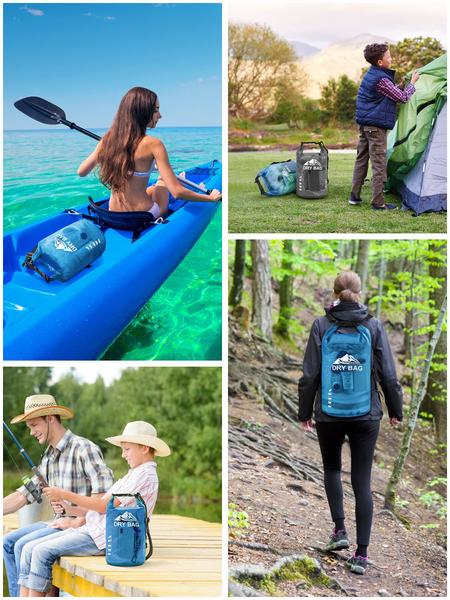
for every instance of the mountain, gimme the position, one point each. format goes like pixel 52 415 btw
pixel 304 50
pixel 341 58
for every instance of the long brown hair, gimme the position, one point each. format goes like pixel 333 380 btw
pixel 347 287
pixel 118 145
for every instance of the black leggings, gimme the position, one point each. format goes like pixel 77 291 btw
pixel 362 436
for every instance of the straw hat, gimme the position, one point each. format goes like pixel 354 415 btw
pixel 140 432
pixel 41 405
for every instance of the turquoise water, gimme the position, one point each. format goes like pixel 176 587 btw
pixel 183 320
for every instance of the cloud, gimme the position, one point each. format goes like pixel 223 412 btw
pixel 36 12
pixel 107 18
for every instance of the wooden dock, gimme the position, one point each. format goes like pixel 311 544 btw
pixel 186 561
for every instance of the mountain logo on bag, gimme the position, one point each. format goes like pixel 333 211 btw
pixel 346 362
pixel 63 243
pixel 312 165
pixel 126 519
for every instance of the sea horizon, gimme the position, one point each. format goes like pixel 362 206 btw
pixel 68 130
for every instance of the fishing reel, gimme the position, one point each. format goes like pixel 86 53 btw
pixel 32 488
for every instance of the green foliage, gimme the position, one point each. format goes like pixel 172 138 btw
pixel 433 499
pixel 237 520
pixel 184 404
pixel 412 53
pixel 338 100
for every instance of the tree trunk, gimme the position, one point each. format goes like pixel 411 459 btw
pixel 435 398
pixel 381 276
pixel 261 288
pixel 235 297
pixel 416 400
pixel 362 265
pixel 286 291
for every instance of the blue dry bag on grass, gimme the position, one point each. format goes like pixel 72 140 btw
pixel 126 533
pixel 65 253
pixel 277 179
pixel 346 371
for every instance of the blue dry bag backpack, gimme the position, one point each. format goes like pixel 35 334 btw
pixel 65 253
pixel 277 179
pixel 126 533
pixel 346 371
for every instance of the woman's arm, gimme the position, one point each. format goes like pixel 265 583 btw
pixel 312 369
pixel 173 185
pixel 96 503
pixel 89 163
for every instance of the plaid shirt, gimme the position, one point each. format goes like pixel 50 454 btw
pixel 393 92
pixel 75 464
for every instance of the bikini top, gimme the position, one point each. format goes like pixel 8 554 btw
pixel 144 173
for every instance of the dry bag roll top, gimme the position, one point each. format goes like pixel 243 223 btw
pixel 277 179
pixel 65 253
pixel 126 533
pixel 312 170
pixel 346 371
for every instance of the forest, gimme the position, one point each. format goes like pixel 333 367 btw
pixel 184 404
pixel 277 289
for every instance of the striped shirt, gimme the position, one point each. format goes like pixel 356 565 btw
pixel 74 464
pixel 142 480
pixel 386 87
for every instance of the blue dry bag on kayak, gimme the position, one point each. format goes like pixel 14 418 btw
pixel 126 533
pixel 65 253
pixel 277 179
pixel 346 371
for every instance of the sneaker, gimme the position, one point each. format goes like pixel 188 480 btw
pixel 385 207
pixel 357 564
pixel 338 541
pixel 354 200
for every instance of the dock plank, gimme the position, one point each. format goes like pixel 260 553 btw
pixel 186 562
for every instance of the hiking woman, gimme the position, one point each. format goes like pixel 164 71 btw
pixel 140 445
pixel 347 355
pixel 126 156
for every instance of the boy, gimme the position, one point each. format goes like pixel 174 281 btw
pixel 375 114
pixel 140 444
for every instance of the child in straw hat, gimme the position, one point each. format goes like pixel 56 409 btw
pixel 140 445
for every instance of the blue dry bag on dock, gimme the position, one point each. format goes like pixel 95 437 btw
pixel 126 533
pixel 346 371
pixel 63 254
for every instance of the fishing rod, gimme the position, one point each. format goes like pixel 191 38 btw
pixel 35 490
pixel 45 112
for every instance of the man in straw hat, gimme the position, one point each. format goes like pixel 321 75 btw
pixel 140 444
pixel 70 462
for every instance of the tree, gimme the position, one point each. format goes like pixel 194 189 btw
pixel 259 62
pixel 412 53
pixel 261 288
pixel 416 400
pixel 286 291
pixel 362 264
pixel 235 297
pixel 338 100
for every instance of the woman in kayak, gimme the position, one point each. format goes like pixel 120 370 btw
pixel 126 156
pixel 343 393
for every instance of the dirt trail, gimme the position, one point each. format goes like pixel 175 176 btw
pixel 275 475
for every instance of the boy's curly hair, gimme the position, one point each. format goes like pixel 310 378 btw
pixel 374 52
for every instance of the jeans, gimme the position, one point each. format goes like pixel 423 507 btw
pixel 372 146
pixel 38 556
pixel 13 544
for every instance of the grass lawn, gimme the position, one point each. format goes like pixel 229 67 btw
pixel 249 212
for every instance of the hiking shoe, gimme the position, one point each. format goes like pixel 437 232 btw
pixel 385 207
pixel 357 564
pixel 354 200
pixel 338 541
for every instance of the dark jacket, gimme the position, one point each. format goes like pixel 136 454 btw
pixel 383 371
pixel 372 108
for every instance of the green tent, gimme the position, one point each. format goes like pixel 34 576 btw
pixel 417 145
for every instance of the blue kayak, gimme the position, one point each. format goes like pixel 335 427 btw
pixel 78 319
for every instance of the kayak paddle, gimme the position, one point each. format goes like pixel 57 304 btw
pixel 45 112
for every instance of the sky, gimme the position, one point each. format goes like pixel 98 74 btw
pixel 323 23
pixel 84 57
pixel 88 373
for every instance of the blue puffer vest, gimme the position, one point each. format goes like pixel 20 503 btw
pixel 372 108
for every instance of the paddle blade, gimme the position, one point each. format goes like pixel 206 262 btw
pixel 40 110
